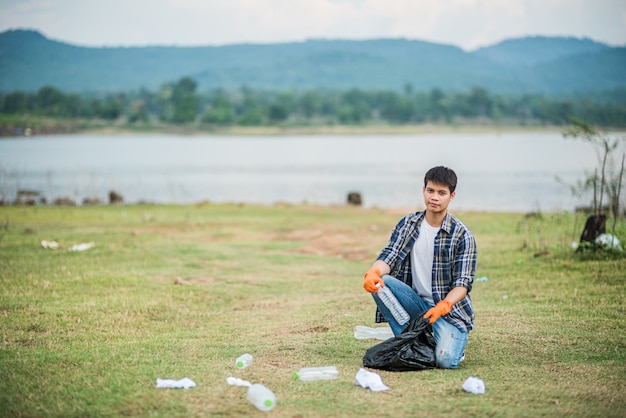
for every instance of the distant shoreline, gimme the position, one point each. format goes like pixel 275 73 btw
pixel 48 127
pixel 325 130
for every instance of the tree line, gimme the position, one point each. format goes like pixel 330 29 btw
pixel 180 102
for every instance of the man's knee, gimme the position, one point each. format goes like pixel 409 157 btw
pixel 446 360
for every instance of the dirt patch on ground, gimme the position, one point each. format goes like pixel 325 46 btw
pixel 349 245
pixel 361 244
pixel 199 280
pixel 328 240
pixel 341 244
pixel 188 280
pixel 162 230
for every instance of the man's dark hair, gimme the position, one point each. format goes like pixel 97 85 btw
pixel 441 175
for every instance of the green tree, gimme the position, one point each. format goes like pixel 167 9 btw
pixel 138 112
pixel 309 104
pixel 252 116
pixel 438 108
pixel 252 113
pixel 15 102
pixel 185 101
pixel 50 101
pixel 356 107
pixel 558 113
pixel 72 105
pixel 329 104
pixel 280 108
pixel 220 112
pixel 479 100
pixel 395 108
pixel 111 110
pixel 178 102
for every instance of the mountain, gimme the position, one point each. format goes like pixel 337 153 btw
pixel 542 65
pixel 531 51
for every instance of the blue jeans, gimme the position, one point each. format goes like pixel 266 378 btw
pixel 450 341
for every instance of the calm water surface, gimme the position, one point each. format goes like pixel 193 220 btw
pixel 497 172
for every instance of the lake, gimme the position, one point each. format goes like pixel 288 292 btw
pixel 497 172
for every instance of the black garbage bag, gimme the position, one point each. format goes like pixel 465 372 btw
pixel 413 349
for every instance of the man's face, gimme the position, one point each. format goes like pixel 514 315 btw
pixel 437 197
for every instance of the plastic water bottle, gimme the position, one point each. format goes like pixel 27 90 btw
pixel 309 374
pixel 243 361
pixel 380 333
pixel 261 397
pixel 390 301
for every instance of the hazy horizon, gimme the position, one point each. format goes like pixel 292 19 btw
pixel 467 24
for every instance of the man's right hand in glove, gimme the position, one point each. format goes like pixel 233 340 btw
pixel 372 278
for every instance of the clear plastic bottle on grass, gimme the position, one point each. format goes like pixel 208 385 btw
pixel 309 374
pixel 261 397
pixel 390 301
pixel 243 361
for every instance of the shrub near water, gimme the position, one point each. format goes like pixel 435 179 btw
pixel 182 291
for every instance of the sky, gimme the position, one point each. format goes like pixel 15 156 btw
pixel 468 24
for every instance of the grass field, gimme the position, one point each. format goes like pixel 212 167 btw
pixel 181 291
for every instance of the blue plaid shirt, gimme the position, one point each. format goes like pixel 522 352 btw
pixel 454 262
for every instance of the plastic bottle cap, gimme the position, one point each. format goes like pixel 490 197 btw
pixel 268 402
pixel 240 364
pixel 296 375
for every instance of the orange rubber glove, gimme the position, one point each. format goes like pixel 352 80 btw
pixel 372 277
pixel 442 308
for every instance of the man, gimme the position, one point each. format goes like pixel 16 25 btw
pixel 429 265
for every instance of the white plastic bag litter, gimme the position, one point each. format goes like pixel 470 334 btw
pixel 82 247
pixel 609 241
pixel 367 379
pixel 52 245
pixel 184 383
pixel 235 381
pixel 474 385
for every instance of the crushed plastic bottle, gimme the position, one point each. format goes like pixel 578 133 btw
pixel 390 301
pixel 309 374
pixel 244 360
pixel 261 397
pixel 380 333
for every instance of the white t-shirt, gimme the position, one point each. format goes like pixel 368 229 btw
pixel 422 255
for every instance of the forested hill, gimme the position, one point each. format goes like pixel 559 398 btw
pixel 551 66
